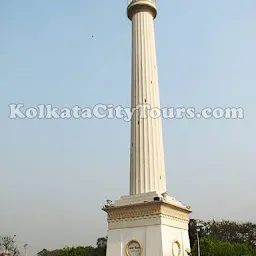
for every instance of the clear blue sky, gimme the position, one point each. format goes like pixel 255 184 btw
pixel 56 174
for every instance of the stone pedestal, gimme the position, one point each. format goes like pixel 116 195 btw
pixel 158 227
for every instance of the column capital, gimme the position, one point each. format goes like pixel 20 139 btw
pixel 141 5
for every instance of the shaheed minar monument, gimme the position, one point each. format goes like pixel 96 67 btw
pixel 148 222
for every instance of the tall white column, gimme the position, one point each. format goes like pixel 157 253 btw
pixel 147 169
pixel 143 223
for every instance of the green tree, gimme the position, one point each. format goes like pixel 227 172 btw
pixel 212 247
pixel 224 230
pixel 202 227
pixel 77 251
pixel 45 252
pixel 102 242
pixel 233 232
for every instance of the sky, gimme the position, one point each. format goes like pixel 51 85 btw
pixel 55 175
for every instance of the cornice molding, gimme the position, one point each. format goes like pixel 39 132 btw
pixel 146 210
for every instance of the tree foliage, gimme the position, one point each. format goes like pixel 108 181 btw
pixel 45 252
pixel 226 231
pixel 212 247
pixel 217 238
pixel 99 250
pixel 8 243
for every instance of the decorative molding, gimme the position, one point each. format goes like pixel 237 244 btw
pixel 147 209
pixel 148 218
pixel 147 214
pixel 172 212
pixel 128 248
pixel 179 248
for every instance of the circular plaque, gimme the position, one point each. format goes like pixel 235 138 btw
pixel 133 248
pixel 176 250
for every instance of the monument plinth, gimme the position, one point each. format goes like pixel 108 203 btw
pixel 148 222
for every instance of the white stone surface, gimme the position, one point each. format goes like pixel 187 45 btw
pixel 147 197
pixel 156 240
pixel 147 169
pixel 148 220
pixel 136 199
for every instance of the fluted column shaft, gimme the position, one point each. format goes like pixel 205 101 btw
pixel 147 170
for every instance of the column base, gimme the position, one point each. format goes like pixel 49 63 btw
pixel 148 228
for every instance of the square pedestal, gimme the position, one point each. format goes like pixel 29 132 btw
pixel 151 228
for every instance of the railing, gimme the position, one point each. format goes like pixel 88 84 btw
pixel 129 1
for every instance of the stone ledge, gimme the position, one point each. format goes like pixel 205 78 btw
pixel 147 198
pixel 150 220
pixel 145 210
pixel 161 216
